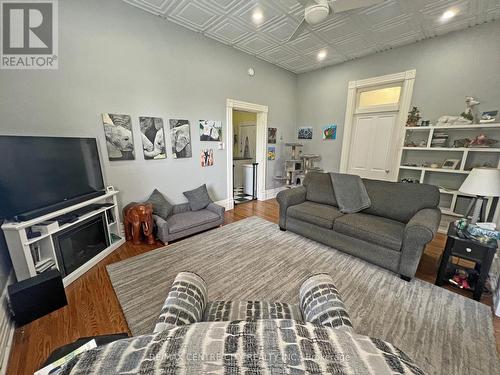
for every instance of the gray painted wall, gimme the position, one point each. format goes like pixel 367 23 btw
pixel 115 58
pixel 448 69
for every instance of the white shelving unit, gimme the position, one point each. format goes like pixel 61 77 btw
pixel 415 163
pixel 21 248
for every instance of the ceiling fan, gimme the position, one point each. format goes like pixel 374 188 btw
pixel 317 11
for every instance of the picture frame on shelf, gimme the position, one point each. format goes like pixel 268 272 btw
pixel 451 164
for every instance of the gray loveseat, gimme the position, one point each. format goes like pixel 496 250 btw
pixel 184 222
pixel 392 233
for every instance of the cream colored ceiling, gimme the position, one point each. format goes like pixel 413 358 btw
pixel 345 36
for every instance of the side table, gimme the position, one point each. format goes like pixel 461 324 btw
pixel 480 253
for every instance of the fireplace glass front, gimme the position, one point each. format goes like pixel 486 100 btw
pixel 80 243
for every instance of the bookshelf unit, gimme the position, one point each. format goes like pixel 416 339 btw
pixel 415 164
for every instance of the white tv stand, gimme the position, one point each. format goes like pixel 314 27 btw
pixel 20 247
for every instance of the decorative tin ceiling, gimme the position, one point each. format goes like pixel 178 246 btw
pixel 343 36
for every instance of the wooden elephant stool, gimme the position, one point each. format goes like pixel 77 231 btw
pixel 138 222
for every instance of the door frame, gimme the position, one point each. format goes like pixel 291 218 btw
pixel 260 145
pixel 407 79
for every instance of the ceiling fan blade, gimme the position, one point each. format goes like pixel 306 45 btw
pixel 299 30
pixel 345 5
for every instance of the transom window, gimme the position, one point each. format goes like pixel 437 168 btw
pixel 379 99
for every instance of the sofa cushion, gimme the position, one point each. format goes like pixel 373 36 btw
pixel 190 219
pixel 322 215
pixel 373 229
pixel 161 206
pixel 220 311
pixel 399 201
pixel 319 188
pixel 198 198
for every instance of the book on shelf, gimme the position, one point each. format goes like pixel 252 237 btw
pixel 35 252
pixel 439 140
pixel 44 265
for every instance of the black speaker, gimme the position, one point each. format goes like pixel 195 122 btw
pixel 33 298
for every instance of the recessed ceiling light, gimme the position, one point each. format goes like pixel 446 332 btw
pixel 257 16
pixel 321 55
pixel 449 14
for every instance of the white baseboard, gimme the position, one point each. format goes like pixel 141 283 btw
pixel 6 328
pixel 261 196
pixel 225 203
pixel 271 193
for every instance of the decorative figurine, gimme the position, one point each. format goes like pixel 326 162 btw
pixel 471 103
pixel 138 222
pixel 482 141
pixel 489 116
pixel 453 120
pixel 460 279
pixel 413 117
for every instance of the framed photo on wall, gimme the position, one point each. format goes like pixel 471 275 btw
pixel 330 132
pixel 305 133
pixel 271 135
pixel 210 131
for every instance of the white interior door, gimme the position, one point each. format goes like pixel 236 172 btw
pixel 248 137
pixel 373 146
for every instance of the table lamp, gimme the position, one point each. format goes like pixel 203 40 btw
pixel 481 182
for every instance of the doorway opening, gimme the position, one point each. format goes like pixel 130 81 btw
pixel 244 156
pixel 246 149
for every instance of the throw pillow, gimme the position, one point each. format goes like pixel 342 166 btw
pixel 198 198
pixel 161 206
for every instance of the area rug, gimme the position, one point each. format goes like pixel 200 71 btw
pixel 252 259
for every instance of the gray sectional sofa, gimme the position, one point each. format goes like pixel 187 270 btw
pixel 392 233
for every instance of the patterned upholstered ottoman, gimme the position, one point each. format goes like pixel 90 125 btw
pixel 194 336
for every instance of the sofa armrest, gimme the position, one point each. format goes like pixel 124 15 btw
pixel 161 228
pixel 287 198
pixel 216 209
pixel 185 303
pixel 180 208
pixel 419 231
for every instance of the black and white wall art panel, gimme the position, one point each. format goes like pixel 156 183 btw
pixel 180 136
pixel 211 131
pixel 153 138
pixel 119 137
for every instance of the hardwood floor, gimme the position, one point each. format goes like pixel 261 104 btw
pixel 93 308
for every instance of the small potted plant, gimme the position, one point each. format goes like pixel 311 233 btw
pixel 413 117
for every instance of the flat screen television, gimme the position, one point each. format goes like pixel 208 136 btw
pixel 39 175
